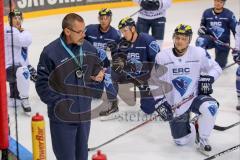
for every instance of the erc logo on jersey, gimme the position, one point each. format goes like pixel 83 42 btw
pixel 133 56
pixel 180 71
pixel 181 84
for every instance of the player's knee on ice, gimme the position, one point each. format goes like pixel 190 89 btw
pixel 188 138
pixel 181 130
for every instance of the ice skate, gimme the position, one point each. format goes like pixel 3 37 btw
pixel 238 107
pixel 204 147
pixel 110 113
pixel 201 143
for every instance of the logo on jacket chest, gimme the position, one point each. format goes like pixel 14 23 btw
pixel 64 60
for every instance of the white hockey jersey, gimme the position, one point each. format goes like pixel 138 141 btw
pixel 237 36
pixel 161 12
pixel 183 74
pixel 21 41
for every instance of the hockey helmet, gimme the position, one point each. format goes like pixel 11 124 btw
pixel 127 21
pixel 105 12
pixel 183 29
pixel 14 13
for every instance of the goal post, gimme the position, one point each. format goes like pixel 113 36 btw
pixel 4 143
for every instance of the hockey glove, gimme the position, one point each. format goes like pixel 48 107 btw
pixel 202 31
pixel 164 109
pixel 124 45
pixel 236 56
pixel 205 85
pixel 118 64
pixel 112 47
pixel 150 5
pixel 134 66
pixel 33 73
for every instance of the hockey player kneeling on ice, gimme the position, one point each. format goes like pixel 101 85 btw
pixel 132 62
pixel 18 74
pixel 190 71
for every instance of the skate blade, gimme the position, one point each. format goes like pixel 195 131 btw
pixel 110 117
pixel 205 153
pixel 29 114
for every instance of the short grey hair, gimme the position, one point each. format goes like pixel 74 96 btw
pixel 69 19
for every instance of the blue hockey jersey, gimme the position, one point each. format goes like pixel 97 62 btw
pixel 140 53
pixel 220 24
pixel 100 39
pixel 144 49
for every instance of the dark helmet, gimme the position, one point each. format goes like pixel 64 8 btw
pixel 105 12
pixel 127 21
pixel 15 12
pixel 184 30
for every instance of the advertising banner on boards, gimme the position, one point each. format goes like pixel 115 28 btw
pixel 38 5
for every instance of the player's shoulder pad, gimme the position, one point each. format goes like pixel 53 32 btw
pixel 161 56
pixel 9 29
pixel 115 31
pixel 208 11
pixel 227 11
pixel 146 37
pixel 150 41
pixel 92 27
pixel 200 51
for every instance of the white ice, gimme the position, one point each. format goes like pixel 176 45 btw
pixel 152 141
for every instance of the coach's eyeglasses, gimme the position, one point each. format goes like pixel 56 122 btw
pixel 78 32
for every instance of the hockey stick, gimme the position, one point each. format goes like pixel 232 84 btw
pixel 14 84
pixel 136 12
pixel 223 44
pixel 230 65
pixel 134 78
pixel 142 124
pixel 216 40
pixel 223 152
pixel 221 128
